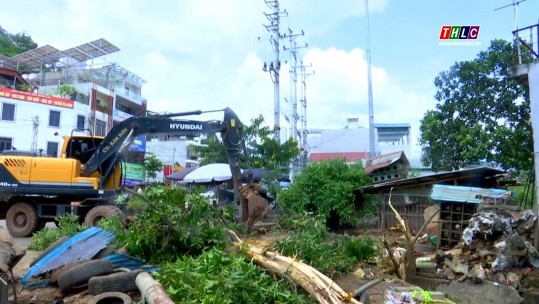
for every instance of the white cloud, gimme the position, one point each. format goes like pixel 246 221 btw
pixel 206 55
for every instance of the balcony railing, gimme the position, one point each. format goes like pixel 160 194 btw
pixel 527 40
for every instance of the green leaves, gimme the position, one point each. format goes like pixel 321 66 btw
pixel 166 229
pixel 331 254
pixel 68 225
pixel 217 276
pixel 481 114
pixel 14 44
pixel 326 189
pixel 152 165
pixel 263 151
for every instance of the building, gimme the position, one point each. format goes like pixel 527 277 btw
pixel 47 94
pixel 352 144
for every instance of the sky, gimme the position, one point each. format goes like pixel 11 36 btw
pixel 209 54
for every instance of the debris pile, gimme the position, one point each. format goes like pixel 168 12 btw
pixel 496 246
pixel 87 263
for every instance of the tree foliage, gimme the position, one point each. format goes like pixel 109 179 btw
pixel 152 165
pixel 14 44
pixel 262 149
pixel 326 189
pixel 482 114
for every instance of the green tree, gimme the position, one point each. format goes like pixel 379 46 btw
pixel 13 44
pixel 263 151
pixel 152 165
pixel 482 113
pixel 327 189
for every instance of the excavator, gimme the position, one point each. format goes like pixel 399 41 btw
pixel 87 176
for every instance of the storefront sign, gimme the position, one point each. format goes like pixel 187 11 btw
pixel 37 98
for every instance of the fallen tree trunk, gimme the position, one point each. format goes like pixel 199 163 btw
pixel 314 282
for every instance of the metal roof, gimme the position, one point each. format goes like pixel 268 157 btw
pixel 91 50
pixel 33 59
pixel 462 194
pixel 6 62
pixel 392 125
pixel 385 160
pixel 114 71
pixel 482 173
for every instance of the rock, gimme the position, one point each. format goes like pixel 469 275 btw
pixel 469 293
pixel 499 278
pixel 477 274
pixel 513 279
pixel 502 263
pixel 10 252
pixel 359 273
pixel 449 274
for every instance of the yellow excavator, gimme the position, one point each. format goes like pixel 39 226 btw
pixel 87 176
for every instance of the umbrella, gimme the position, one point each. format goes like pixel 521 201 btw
pixel 178 176
pixel 209 173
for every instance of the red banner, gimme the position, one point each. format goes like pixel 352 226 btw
pixel 37 98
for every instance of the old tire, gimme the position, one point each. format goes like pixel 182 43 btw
pixel 104 252
pixel 119 281
pixel 55 274
pixel 21 220
pixel 80 274
pixel 104 211
pixel 111 298
pixel 57 243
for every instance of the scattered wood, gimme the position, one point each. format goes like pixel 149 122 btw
pixel 314 282
pixel 409 259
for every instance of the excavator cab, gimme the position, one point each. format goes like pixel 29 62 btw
pixel 80 147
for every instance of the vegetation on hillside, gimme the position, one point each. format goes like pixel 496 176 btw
pixel 14 44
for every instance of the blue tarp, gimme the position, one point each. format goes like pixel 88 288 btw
pixel 463 194
pixel 80 247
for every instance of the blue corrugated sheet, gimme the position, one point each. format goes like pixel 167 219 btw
pixel 80 247
pixel 126 261
pixel 463 194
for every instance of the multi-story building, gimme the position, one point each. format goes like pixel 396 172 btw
pixel 46 94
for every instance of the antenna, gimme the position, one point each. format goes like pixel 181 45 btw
pixel 515 6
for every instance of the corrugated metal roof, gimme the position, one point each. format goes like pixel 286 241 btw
pixel 463 194
pixel 384 160
pixel 80 247
pixel 479 175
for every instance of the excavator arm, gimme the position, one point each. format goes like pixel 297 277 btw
pixel 107 154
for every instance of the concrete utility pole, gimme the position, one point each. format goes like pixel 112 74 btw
pixel 303 100
pixel 372 147
pixel 293 81
pixel 293 117
pixel 35 122
pixel 274 66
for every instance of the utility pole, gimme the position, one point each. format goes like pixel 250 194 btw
pixel 303 100
pixel 372 147
pixel 293 117
pixel 35 122
pixel 274 66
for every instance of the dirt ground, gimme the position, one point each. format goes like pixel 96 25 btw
pixel 50 294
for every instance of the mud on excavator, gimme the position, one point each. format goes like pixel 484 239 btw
pixel 87 176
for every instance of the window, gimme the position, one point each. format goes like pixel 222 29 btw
pixel 5 143
pixel 54 118
pixel 52 149
pixel 126 91
pixel 8 111
pixel 80 122
pixel 100 128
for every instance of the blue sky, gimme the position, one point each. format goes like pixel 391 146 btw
pixel 206 54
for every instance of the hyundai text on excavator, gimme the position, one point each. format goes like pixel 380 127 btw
pixel 86 178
